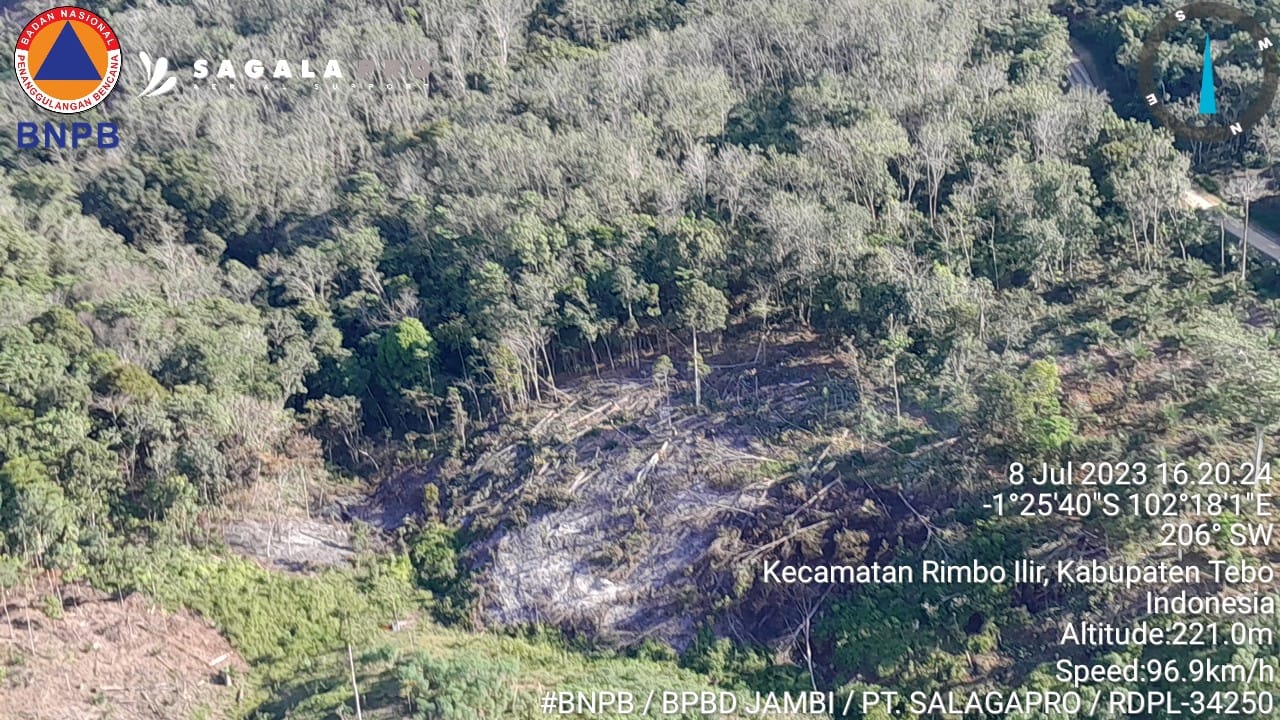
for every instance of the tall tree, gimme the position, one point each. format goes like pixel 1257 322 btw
pixel 404 357
pixel 704 309
pixel 1245 189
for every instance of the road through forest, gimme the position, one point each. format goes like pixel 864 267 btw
pixel 1261 240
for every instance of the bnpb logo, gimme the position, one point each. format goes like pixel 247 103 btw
pixel 68 61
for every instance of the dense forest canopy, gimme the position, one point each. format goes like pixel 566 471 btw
pixel 303 285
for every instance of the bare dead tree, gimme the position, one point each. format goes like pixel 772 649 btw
pixel 1245 189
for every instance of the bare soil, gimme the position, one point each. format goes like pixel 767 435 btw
pixel 68 652
pixel 293 544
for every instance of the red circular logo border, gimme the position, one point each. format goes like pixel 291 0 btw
pixel 82 16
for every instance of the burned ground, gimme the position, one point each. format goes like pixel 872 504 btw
pixel 614 510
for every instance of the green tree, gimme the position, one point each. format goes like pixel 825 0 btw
pixel 704 309
pixel 405 356
pixel 457 688
pixel 1146 176
pixel 34 510
pixel 1025 410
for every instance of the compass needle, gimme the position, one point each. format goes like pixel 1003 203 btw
pixel 1208 100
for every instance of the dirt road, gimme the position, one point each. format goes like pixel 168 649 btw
pixel 1198 198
